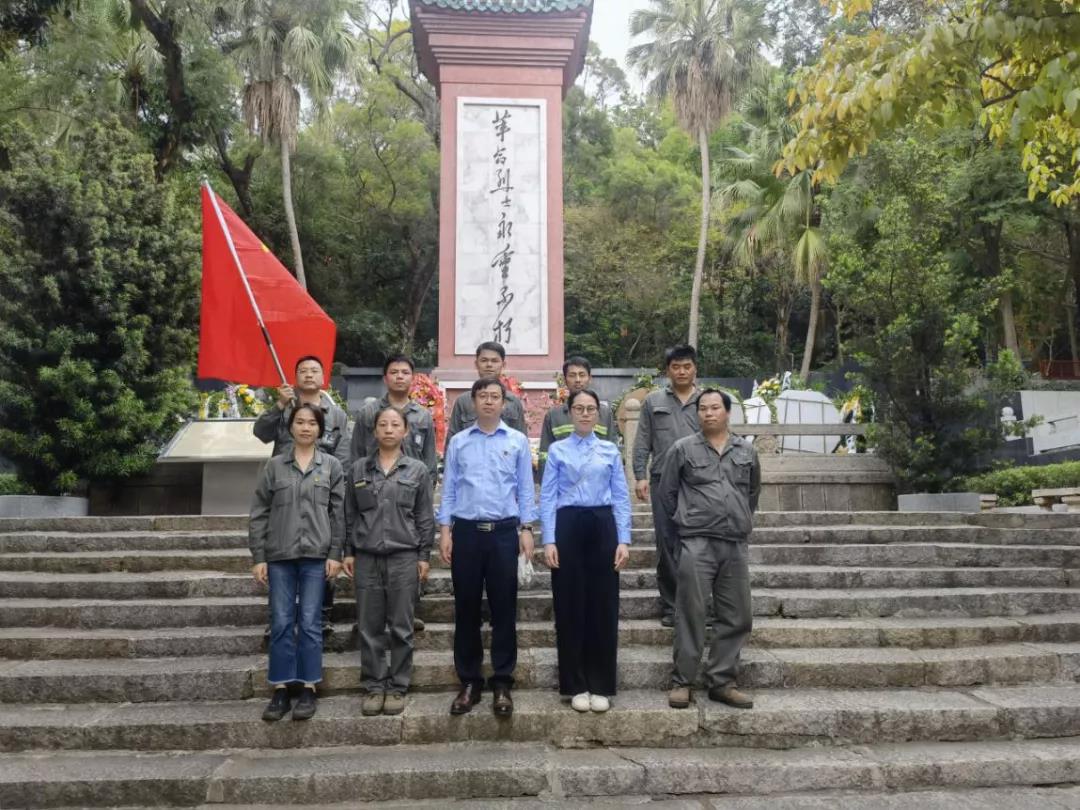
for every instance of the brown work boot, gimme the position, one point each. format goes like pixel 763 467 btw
pixel 679 697
pixel 394 703
pixel 372 704
pixel 731 696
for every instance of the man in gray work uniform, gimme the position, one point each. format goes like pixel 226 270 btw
pixel 709 493
pixel 666 416
pixel 577 374
pixel 490 364
pixel 273 426
pixel 419 444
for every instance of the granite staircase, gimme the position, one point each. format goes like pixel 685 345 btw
pixel 897 660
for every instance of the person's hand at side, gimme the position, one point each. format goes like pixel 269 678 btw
pixel 446 544
pixel 551 556
pixel 641 490
pixel 622 556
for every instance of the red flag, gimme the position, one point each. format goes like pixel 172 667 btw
pixel 232 345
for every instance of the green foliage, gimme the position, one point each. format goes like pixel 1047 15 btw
pixel 11 485
pixel 98 302
pixel 1013 485
pixel 921 318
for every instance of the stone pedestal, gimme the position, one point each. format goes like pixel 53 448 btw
pixel 501 68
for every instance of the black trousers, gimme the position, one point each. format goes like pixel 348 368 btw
pixel 586 592
pixel 485 561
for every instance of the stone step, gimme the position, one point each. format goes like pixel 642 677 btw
pixel 185 584
pixel 537 606
pixel 769 632
pixel 140 680
pixel 238 560
pixel 780 719
pixel 506 770
pixel 202 523
pixel 84 542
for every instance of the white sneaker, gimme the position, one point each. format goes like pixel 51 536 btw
pixel 581 703
pixel 599 703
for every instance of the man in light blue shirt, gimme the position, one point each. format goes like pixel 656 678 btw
pixel 485 520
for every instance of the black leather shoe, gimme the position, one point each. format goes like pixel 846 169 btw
pixel 305 706
pixel 667 621
pixel 468 697
pixel 278 706
pixel 503 704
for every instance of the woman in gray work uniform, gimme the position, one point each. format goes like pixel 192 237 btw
pixel 390 526
pixel 296 535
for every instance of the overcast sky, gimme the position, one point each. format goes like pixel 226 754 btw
pixel 611 28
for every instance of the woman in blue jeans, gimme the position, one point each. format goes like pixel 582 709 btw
pixel 296 535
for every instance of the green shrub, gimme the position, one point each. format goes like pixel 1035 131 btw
pixel 11 485
pixel 1013 485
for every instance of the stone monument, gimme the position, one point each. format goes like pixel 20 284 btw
pixel 501 69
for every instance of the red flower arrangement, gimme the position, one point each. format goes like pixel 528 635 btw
pixel 427 392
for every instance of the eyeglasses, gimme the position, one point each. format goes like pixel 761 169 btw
pixel 584 409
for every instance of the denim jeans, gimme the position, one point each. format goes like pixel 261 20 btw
pixel 296 640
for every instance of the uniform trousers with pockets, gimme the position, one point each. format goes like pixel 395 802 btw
pixel 485 561
pixel 666 578
pixel 716 571
pixel 585 588
pixel 386 586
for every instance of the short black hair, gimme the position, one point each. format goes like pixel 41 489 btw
pixel 491 346
pixel 307 357
pixel 397 358
pixel 722 394
pixel 576 360
pixel 307 406
pixel 587 392
pixel 487 382
pixel 680 353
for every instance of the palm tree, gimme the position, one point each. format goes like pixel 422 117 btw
pixel 777 213
pixel 285 46
pixel 702 53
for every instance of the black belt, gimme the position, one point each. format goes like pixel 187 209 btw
pixel 489 525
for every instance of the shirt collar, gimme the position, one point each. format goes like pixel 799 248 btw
pixel 316 461
pixel 589 439
pixel 385 403
pixel 475 428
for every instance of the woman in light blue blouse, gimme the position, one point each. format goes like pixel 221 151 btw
pixel 585 511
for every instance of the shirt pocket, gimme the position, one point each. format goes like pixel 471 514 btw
pixel 364 498
pixel 322 491
pixel 663 420
pixel 282 494
pixel 741 469
pixel 700 471
pixel 405 497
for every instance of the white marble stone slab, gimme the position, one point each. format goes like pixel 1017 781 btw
pixel 520 321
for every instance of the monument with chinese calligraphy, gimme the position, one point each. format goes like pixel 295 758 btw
pixel 501 68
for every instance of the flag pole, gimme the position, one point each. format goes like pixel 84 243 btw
pixel 243 278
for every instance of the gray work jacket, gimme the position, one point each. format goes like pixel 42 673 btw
pixel 709 494
pixel 419 441
pixel 386 513
pixel 273 426
pixel 664 420
pixel 298 513
pixel 463 415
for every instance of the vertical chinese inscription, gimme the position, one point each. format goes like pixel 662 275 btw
pixel 501 252
pixel 502 330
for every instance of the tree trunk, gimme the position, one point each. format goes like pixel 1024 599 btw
pixel 1008 323
pixel 421 276
pixel 991 234
pixel 811 328
pixel 1072 238
pixel 703 238
pixel 783 320
pixel 290 217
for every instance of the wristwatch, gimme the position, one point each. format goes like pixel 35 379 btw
pixel 525 527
